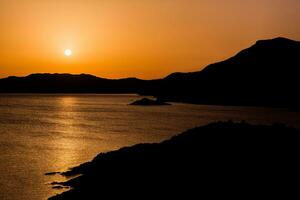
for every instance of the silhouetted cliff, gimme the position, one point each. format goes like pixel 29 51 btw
pixel 222 159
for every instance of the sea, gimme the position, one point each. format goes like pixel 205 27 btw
pixel 41 133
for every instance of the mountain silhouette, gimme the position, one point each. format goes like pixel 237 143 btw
pixel 68 83
pixel 266 74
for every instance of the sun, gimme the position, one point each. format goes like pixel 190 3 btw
pixel 68 52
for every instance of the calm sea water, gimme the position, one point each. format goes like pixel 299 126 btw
pixel 45 133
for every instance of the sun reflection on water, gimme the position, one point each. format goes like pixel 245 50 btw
pixel 67 145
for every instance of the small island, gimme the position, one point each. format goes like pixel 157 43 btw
pixel 149 102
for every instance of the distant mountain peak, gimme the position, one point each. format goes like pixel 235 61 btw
pixel 61 75
pixel 57 74
pixel 276 41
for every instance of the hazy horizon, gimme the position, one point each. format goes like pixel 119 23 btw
pixel 144 39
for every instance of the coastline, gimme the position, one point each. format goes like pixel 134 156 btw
pixel 219 156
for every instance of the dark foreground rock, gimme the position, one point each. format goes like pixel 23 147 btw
pixel 149 102
pixel 219 159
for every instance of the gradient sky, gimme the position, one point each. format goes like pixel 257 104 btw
pixel 142 38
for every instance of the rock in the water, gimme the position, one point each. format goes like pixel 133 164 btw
pixel 149 102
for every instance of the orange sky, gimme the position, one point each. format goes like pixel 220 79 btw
pixel 142 38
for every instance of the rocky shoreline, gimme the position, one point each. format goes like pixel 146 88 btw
pixel 219 158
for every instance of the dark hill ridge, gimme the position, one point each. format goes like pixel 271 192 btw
pixel 69 83
pixel 266 74
pixel 262 52
pixel 219 159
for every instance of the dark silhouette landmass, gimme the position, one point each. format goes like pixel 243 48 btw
pixel 220 159
pixel 149 102
pixel 266 74
pixel 68 83
pixel 51 173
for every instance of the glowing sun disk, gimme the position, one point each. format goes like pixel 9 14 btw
pixel 68 52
